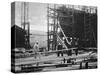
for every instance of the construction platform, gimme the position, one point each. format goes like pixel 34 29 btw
pixel 53 62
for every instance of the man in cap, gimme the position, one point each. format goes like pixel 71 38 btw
pixel 36 49
pixel 59 48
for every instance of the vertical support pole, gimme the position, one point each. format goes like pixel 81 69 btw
pixel 28 25
pixel 54 28
pixel 84 25
pixel 90 37
pixel 48 27
pixel 73 29
pixel 73 21
pixel 24 14
pixel 24 22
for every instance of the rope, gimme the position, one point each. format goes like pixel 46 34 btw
pixel 61 41
pixel 64 35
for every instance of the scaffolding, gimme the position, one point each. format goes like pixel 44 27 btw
pixel 89 33
pixel 25 22
pixel 54 28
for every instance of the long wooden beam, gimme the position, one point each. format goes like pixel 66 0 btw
pixel 53 59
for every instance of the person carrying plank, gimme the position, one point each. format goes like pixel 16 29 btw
pixel 36 49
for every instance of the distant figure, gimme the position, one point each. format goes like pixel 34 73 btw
pixel 76 52
pixel 36 49
pixel 64 60
pixel 76 44
pixel 68 43
pixel 59 48
pixel 69 52
pixel 80 65
pixel 86 65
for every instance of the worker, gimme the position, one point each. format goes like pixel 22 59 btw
pixel 86 65
pixel 80 65
pixel 68 44
pixel 76 52
pixel 76 44
pixel 59 48
pixel 36 49
pixel 70 52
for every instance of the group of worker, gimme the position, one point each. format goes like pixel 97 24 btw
pixel 59 48
pixel 69 52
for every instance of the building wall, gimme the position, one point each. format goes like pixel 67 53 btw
pixel 17 37
pixel 77 26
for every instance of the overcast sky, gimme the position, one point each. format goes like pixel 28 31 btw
pixel 37 16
